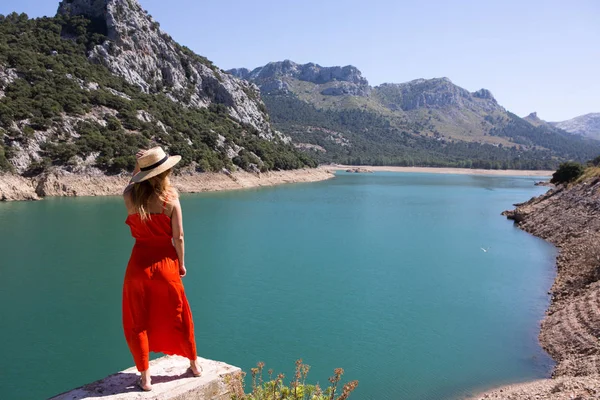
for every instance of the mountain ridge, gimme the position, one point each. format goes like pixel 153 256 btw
pixel 587 125
pixel 431 116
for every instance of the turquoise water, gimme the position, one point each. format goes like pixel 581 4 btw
pixel 381 274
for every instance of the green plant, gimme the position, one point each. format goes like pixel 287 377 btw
pixel 276 389
pixel 4 164
pixel 567 172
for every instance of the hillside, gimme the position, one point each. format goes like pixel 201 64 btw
pixel 82 91
pixel 335 115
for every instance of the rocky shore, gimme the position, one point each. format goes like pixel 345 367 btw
pixel 359 170
pixel 15 187
pixel 569 218
pixel 441 170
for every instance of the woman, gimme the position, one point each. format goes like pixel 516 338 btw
pixel 156 313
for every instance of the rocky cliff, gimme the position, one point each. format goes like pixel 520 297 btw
pixel 274 77
pixel 435 93
pixel 139 51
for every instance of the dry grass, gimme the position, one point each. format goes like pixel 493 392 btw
pixel 589 173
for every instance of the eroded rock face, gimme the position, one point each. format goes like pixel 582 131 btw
pixel 271 77
pixel 14 187
pixel 310 72
pixel 139 51
pixel 435 93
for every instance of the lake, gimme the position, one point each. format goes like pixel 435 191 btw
pixel 413 283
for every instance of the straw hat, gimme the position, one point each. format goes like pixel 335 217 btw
pixel 154 162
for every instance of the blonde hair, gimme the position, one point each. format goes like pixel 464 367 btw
pixel 160 186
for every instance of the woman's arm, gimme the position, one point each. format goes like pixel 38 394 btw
pixel 177 225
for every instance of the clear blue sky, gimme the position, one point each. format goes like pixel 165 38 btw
pixel 533 55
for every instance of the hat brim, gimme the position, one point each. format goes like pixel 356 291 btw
pixel 145 175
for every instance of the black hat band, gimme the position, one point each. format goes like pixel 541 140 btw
pixel 158 164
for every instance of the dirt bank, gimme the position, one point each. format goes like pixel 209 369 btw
pixel 14 187
pixel 569 218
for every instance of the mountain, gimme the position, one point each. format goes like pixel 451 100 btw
pixel 81 91
pixel 335 115
pixel 587 125
pixel 534 120
pixel 272 77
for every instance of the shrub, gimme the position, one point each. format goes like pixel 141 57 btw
pixel 276 389
pixel 4 164
pixel 567 172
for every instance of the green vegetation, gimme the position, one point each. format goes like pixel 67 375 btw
pixel 84 110
pixel 567 172
pixel 276 389
pixel 375 141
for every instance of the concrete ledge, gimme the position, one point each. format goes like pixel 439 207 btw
pixel 170 380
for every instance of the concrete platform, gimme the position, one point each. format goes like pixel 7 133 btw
pixel 171 380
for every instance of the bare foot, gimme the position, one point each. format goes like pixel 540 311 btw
pixel 145 382
pixel 195 367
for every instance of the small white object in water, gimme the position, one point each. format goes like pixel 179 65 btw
pixel 485 250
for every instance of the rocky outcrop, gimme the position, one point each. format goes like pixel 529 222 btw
pixel 359 170
pixel 569 217
pixel 14 187
pixel 484 94
pixel 272 77
pixel 587 125
pixel 172 381
pixel 305 72
pixel 7 76
pixel 435 93
pixel 534 120
pixel 139 51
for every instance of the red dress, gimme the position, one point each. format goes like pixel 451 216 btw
pixel 156 313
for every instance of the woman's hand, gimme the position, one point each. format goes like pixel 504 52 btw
pixel 182 271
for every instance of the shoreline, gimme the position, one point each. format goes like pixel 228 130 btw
pixel 443 170
pixel 62 184
pixel 569 331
